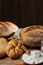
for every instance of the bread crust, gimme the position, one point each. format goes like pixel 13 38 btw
pixel 32 35
pixel 3 43
pixel 13 49
pixel 7 28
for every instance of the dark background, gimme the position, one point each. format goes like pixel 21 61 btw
pixel 22 12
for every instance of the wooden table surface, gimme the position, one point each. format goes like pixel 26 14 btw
pixel 8 61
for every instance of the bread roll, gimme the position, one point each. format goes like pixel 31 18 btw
pixel 13 49
pixel 32 35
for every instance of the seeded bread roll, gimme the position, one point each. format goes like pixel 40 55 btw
pixel 32 35
pixel 13 49
pixel 3 43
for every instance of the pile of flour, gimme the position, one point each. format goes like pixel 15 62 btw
pixel 35 57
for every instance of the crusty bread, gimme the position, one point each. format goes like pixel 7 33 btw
pixel 3 43
pixel 13 49
pixel 32 35
pixel 7 28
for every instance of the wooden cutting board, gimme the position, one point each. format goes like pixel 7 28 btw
pixel 8 61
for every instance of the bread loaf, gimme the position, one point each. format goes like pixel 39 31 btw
pixel 32 35
pixel 3 44
pixel 13 49
pixel 7 28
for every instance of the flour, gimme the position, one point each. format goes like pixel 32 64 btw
pixel 35 57
pixel 16 35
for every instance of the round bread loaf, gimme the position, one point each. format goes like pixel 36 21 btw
pixel 32 35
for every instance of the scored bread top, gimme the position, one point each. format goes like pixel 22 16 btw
pixel 32 35
pixel 7 28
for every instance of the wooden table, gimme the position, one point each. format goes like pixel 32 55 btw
pixel 8 61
